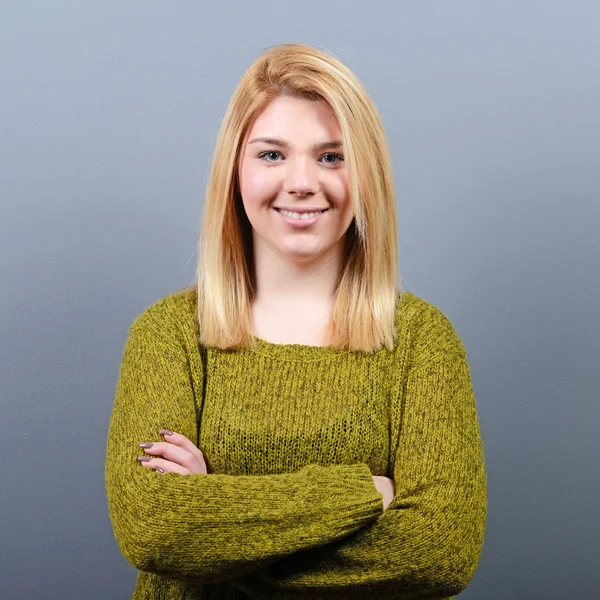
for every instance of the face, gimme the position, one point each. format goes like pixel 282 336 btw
pixel 292 159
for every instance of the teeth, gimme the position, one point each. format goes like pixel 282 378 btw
pixel 298 216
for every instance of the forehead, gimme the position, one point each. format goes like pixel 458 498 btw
pixel 296 120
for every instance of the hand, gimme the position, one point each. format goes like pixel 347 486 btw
pixel 385 486
pixel 179 454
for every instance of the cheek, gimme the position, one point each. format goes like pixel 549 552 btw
pixel 339 190
pixel 255 183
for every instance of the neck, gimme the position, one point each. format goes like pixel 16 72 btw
pixel 301 284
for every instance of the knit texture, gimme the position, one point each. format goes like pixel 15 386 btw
pixel 291 435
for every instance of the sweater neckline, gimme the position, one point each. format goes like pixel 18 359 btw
pixel 300 352
pixel 295 352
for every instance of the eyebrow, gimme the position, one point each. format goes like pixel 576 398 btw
pixel 282 144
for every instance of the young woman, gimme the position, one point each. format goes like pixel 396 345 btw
pixel 294 425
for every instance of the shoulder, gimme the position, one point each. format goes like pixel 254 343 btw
pixel 171 317
pixel 425 333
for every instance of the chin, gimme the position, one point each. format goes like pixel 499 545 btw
pixel 302 255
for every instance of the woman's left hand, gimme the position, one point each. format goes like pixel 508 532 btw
pixel 179 455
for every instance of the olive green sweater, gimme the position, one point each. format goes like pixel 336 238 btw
pixel 291 435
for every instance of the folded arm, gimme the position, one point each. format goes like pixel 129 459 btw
pixel 428 543
pixel 208 528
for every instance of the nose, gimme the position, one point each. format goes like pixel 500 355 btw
pixel 301 177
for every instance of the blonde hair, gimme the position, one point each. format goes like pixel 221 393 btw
pixel 369 284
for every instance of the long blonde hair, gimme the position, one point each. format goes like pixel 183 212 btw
pixel 369 286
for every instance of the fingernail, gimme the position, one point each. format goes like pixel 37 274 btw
pixel 166 432
pixel 160 470
pixel 146 445
pixel 144 459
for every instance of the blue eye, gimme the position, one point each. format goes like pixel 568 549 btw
pixel 264 154
pixel 336 155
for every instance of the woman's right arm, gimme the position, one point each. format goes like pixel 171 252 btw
pixel 213 527
pixel 428 542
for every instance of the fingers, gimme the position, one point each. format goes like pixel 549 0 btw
pixel 178 439
pixel 171 453
pixel 178 454
pixel 166 466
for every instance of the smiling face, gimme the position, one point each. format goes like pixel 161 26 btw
pixel 292 159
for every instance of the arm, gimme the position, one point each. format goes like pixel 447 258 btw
pixel 209 528
pixel 427 544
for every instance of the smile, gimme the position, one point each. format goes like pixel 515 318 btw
pixel 300 218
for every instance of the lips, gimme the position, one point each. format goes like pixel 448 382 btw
pixel 301 222
pixel 300 211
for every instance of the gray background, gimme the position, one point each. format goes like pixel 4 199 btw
pixel 108 118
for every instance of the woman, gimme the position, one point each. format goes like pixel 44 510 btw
pixel 308 430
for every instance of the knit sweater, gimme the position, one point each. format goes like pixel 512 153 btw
pixel 291 435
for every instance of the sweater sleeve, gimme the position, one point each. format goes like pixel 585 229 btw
pixel 209 528
pixel 428 542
